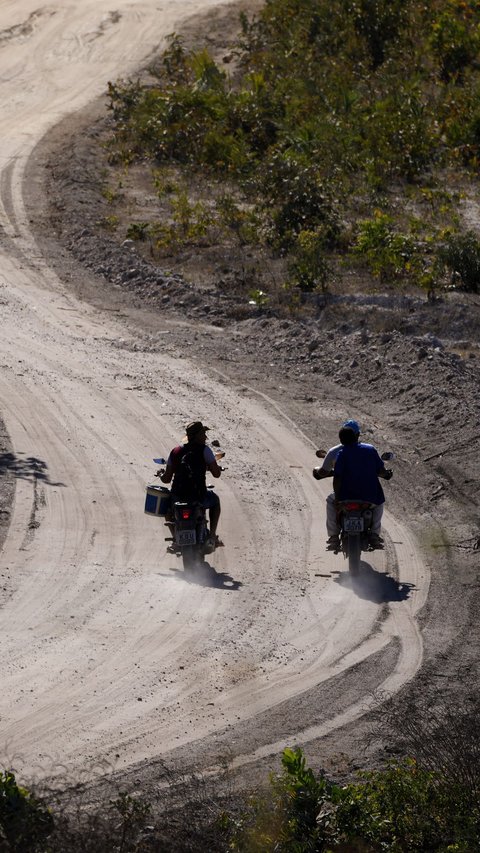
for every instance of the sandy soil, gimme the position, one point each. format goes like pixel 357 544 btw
pixel 112 657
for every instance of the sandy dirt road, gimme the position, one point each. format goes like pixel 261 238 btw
pixel 109 652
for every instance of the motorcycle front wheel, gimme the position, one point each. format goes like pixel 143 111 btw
pixel 354 552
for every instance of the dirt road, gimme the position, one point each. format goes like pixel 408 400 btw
pixel 110 654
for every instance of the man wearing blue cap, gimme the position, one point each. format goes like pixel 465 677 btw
pixel 356 473
pixel 355 467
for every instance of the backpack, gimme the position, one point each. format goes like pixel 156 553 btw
pixel 189 478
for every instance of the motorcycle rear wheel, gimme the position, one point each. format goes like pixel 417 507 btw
pixel 190 557
pixel 354 553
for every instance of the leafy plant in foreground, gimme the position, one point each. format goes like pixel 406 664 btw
pixel 25 822
pixel 401 809
pixel 133 813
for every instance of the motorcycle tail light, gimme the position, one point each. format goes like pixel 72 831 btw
pixel 185 514
pixel 352 506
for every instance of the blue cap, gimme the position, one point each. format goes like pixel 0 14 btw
pixel 353 425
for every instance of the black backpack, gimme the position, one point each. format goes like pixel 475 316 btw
pixel 189 480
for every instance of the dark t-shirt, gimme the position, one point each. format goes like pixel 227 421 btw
pixel 189 469
pixel 358 466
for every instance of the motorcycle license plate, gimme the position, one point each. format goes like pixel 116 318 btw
pixel 353 525
pixel 186 537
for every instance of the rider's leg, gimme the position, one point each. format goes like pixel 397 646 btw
pixel 169 519
pixel 213 504
pixel 377 513
pixel 214 517
pixel 333 527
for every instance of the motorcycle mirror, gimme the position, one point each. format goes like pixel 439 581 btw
pixel 160 461
pixel 215 442
pixel 387 456
pixel 321 453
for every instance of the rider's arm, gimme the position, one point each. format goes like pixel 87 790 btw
pixel 211 462
pixel 166 476
pixel 386 473
pixel 321 473
pixel 215 469
pixel 326 470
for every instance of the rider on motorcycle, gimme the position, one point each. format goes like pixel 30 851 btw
pixel 326 470
pixel 187 465
pixel 356 474
pixel 348 428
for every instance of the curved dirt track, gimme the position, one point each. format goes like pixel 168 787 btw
pixel 109 652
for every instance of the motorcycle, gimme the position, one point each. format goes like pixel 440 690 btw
pixel 190 533
pixel 355 518
pixel 356 526
pixel 187 521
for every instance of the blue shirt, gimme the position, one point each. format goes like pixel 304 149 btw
pixel 358 466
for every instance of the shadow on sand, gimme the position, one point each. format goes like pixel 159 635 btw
pixel 375 586
pixel 205 575
pixel 29 468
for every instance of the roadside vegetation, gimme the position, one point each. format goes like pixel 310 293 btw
pixel 429 801
pixel 334 144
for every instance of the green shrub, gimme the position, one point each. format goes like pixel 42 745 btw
pixel 133 812
pixel 25 822
pixel 206 73
pixel 240 219
pixel 454 38
pixel 396 137
pixel 174 62
pixel 138 231
pixel 287 819
pixel 300 200
pixel 402 809
pixel 190 223
pixel 333 108
pixel 258 298
pixel 460 254
pixel 379 23
pixel 191 218
pixel 309 268
pixel 386 252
